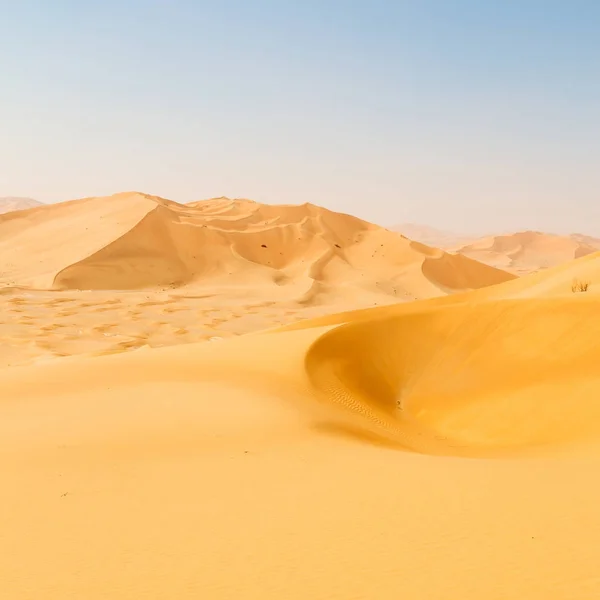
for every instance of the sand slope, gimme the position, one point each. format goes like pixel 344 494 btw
pixel 332 462
pixel 529 251
pixel 12 203
pixel 38 243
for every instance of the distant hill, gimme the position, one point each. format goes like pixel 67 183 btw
pixel 11 203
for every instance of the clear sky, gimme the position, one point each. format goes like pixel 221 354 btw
pixel 469 115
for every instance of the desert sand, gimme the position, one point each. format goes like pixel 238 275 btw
pixel 441 448
pixel 528 251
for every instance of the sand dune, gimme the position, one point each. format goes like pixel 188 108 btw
pixel 135 241
pixel 109 275
pixel 519 253
pixel 37 244
pixel 12 203
pixel 441 448
pixel 528 251
pixel 325 462
pixel 556 282
pixel 468 378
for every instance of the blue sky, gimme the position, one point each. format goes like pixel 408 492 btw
pixel 470 115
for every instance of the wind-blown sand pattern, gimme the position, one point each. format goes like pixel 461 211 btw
pixel 442 448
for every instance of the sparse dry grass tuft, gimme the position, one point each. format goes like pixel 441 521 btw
pixel 580 286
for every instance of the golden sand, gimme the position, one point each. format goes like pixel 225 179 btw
pixel 444 448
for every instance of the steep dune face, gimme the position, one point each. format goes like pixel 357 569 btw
pixel 11 204
pixel 305 252
pixel 37 243
pixel 468 379
pixel 529 251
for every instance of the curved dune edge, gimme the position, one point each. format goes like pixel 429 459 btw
pixel 467 380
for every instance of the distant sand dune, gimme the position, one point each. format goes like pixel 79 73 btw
pixel 11 204
pixel 529 251
pixel 520 253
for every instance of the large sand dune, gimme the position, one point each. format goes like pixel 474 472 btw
pixel 442 448
pixel 135 241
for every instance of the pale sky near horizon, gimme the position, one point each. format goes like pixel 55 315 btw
pixel 468 115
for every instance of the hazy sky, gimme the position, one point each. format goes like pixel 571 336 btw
pixel 470 115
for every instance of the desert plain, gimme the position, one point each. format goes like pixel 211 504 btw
pixel 232 400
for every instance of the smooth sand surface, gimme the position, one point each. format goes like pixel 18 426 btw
pixel 443 448
pixel 528 251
